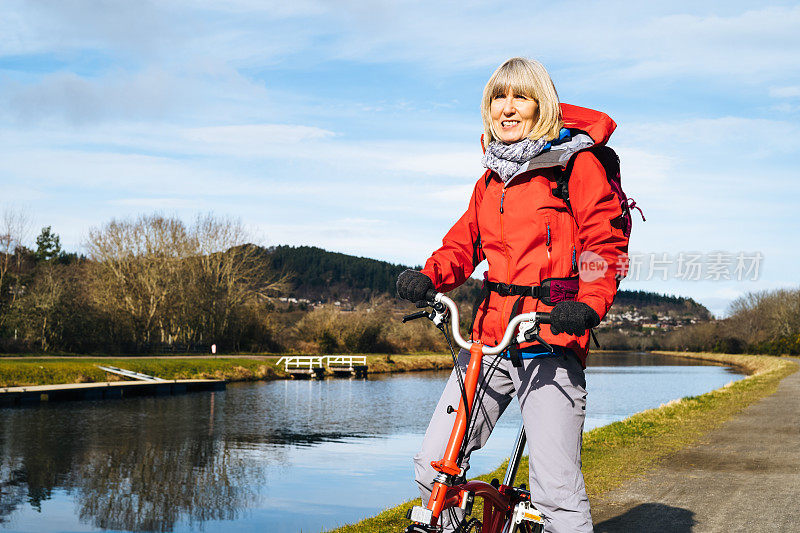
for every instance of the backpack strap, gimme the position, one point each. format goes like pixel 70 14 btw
pixel 561 189
pixel 562 175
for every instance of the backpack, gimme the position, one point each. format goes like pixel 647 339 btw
pixel 610 161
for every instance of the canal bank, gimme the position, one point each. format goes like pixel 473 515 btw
pixel 30 371
pixel 26 371
pixel 741 476
pixel 626 450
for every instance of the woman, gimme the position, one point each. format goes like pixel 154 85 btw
pixel 531 237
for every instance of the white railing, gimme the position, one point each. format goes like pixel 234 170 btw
pixel 345 361
pixel 301 362
pixel 310 362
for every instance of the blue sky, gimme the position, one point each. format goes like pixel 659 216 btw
pixel 355 126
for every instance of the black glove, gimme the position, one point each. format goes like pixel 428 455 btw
pixel 573 318
pixel 412 285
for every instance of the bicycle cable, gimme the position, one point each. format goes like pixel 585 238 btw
pixel 471 419
pixel 446 332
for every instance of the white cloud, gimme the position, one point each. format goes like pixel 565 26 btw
pixel 642 170
pixel 145 95
pixel 785 92
pixel 458 194
pixel 150 204
pixel 650 41
pixel 251 139
pixel 702 138
pixel 442 160
pixel 362 237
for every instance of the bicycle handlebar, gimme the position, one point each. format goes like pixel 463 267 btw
pixel 535 317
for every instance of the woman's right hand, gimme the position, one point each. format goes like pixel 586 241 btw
pixel 413 285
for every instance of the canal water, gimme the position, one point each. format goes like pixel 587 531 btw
pixel 283 456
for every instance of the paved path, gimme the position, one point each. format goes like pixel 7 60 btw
pixel 741 477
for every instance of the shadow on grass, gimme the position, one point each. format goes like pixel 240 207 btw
pixel 650 517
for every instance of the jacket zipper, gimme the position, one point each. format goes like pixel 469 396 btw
pixel 548 242
pixel 574 259
pixel 548 232
pixel 505 248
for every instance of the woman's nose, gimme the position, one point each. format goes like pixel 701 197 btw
pixel 508 108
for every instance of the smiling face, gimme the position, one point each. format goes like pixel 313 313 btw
pixel 513 116
pixel 520 101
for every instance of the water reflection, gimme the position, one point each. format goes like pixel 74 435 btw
pixel 141 465
pixel 140 487
pixel 258 456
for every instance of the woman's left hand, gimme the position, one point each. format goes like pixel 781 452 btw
pixel 573 318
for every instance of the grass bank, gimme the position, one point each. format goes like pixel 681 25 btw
pixel 625 449
pixel 14 373
pixel 379 364
pixel 50 371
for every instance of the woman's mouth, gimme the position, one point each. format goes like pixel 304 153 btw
pixel 509 123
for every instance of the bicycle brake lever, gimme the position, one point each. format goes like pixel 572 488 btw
pixel 414 316
pixel 534 336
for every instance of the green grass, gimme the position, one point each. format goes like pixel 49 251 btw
pixel 629 448
pixel 23 372
pixel 408 363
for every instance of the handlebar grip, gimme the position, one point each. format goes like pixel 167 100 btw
pixel 430 295
pixel 544 318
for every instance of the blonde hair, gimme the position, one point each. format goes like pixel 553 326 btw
pixel 525 77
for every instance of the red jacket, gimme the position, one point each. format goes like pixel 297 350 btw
pixel 516 244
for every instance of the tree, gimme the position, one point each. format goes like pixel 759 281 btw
pixel 14 227
pixel 48 245
pixel 227 272
pixel 40 307
pixel 175 284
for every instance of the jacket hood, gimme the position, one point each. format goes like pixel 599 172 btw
pixel 587 128
pixel 597 124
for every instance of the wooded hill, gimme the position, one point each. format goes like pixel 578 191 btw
pixel 652 302
pixel 319 275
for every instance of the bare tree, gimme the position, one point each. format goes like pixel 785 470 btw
pixel 15 227
pixel 40 305
pixel 177 284
pixel 138 264
pixel 228 271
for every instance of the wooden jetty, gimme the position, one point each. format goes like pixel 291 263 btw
pixel 315 366
pixel 104 390
pixel 144 386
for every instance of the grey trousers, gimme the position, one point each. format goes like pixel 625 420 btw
pixel 552 395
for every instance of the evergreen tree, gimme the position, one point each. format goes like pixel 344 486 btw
pixel 48 245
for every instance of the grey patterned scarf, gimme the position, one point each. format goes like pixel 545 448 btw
pixel 507 159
